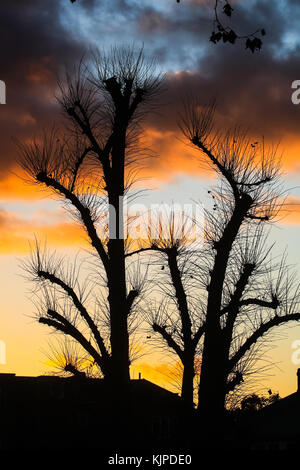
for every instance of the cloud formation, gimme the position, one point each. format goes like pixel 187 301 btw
pixel 36 47
pixel 251 89
pixel 17 233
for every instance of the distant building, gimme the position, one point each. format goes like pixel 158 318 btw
pixel 50 412
pixel 276 427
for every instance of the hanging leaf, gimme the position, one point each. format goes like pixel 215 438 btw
pixel 215 37
pixel 253 44
pixel 227 9
pixel 231 36
pixel 225 37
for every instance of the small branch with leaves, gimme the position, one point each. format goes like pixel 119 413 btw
pixel 253 41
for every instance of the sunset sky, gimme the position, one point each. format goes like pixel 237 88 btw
pixel 40 38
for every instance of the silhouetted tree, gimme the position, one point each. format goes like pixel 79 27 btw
pixel 85 164
pixel 66 358
pixel 222 298
pixel 246 293
pixel 178 316
pixel 254 402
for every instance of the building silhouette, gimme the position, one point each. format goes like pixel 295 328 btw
pixel 50 412
pixel 276 426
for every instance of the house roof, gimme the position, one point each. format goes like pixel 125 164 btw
pixel 87 391
pixel 280 420
pixel 75 410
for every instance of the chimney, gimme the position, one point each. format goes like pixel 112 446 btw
pixel 298 376
pixel 140 375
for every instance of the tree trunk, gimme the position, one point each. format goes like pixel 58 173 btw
pixel 214 364
pixel 187 388
pixel 119 336
pixel 211 394
pixel 117 301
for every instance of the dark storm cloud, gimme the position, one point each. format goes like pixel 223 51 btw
pixel 251 89
pixel 34 47
pixel 254 89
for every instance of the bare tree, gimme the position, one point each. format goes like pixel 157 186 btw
pixel 246 293
pixel 87 164
pixel 220 299
pixel 66 358
pixel 178 317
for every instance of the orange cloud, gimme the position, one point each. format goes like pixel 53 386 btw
pixel 290 153
pixel 171 155
pixel 175 155
pixel 12 187
pixel 16 234
pixel 290 211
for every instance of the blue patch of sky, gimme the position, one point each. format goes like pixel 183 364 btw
pixel 182 189
pixel 292 184
pixel 115 21
pixel 175 47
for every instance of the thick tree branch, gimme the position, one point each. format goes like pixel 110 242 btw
pixel 235 303
pixel 77 166
pixel 84 213
pixel 186 324
pixel 258 217
pixel 60 323
pixel 103 154
pixel 133 294
pixel 114 89
pixel 222 169
pixel 73 369
pixel 237 380
pixel 256 183
pixel 264 328
pixel 169 339
pixel 136 101
pixel 274 303
pixel 223 248
pixel 153 247
pixel 80 307
pixel 198 335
